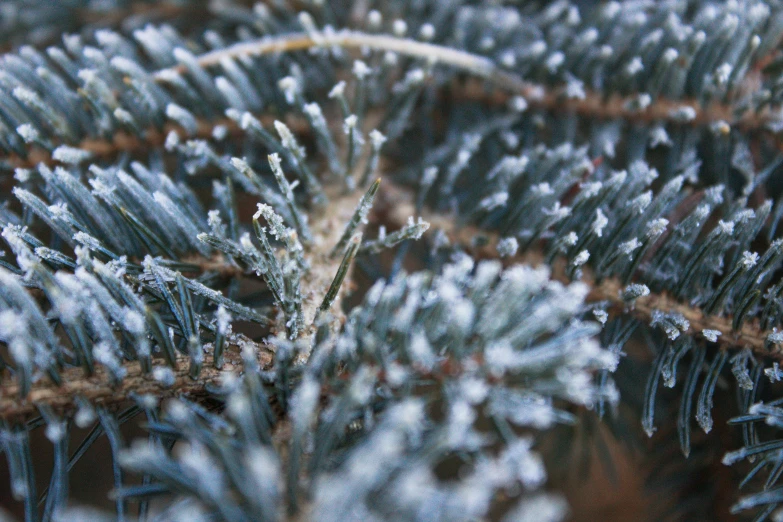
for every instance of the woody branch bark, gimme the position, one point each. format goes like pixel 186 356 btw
pixel 152 137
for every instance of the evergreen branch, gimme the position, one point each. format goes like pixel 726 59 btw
pixel 397 205
pixel 100 389
pixel 658 134
pixel 592 104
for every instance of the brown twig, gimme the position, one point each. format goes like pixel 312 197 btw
pixel 100 391
pixel 126 142
pixel 595 105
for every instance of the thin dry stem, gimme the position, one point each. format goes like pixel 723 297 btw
pixel 537 95
pixel 348 40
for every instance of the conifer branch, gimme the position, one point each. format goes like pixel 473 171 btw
pixel 537 96
pixel 397 204
pixel 99 389
pixel 124 282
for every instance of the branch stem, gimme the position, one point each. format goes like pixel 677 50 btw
pixel 98 389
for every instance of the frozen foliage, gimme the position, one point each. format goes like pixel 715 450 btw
pixel 370 449
pixel 629 150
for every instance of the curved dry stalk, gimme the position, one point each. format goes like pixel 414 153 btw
pixel 537 95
